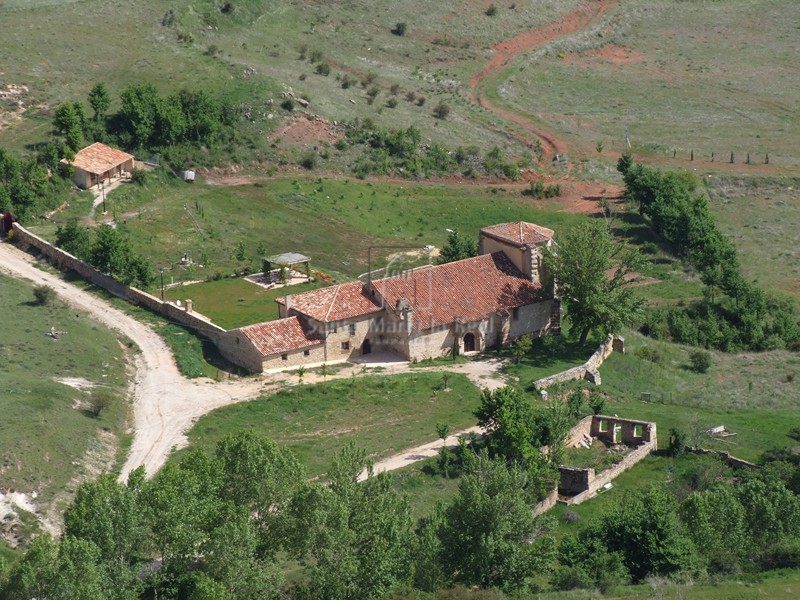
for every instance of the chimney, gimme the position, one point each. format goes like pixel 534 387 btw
pixel 188 305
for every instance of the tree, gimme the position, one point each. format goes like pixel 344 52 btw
pixel 231 557
pixel 400 29
pixel 457 248
pixel 99 100
pixel 522 345
pixel 489 537
pixel 715 520
pixel 593 298
pixel 109 251
pixel 34 575
pixel 510 424
pixel 645 530
pixel 263 477
pixel 69 122
pixel 138 113
pixel 356 538
pixel 112 516
pixel 700 360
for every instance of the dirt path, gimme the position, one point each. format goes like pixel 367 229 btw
pixel 412 455
pixel 528 41
pixel 165 404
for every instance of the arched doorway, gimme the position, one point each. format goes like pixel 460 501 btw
pixel 366 347
pixel 469 342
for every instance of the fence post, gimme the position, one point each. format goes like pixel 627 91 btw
pixel 766 159
pixel 731 157
pixel 712 156
pixel 691 155
pixel 748 158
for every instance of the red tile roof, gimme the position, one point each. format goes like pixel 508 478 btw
pixel 277 337
pixel 519 232
pixel 334 303
pixel 468 290
pixel 99 158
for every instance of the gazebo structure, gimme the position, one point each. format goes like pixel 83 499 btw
pixel 287 260
pixel 97 163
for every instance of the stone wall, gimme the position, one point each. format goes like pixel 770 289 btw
pixel 582 484
pixel 65 261
pixel 572 481
pixel 588 370
pixel 577 433
pixel 730 459
pixel 614 430
pixel 549 502
pixel 604 477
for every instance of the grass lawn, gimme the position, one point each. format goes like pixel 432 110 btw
pixel 753 394
pixel 423 489
pixel 235 302
pixel 339 223
pixel 547 357
pixel 381 414
pixel 47 435
pixel 776 585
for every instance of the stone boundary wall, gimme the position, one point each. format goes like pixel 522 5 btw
pixel 549 502
pixel 610 474
pixel 66 261
pixel 733 462
pixel 588 370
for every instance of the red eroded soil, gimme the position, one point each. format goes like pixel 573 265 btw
pixel 528 41
pixel 305 131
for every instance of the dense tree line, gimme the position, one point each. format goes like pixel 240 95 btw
pixel 147 121
pixel 219 527
pixel 108 250
pixel 26 187
pixel 402 152
pixel 228 525
pixel 734 314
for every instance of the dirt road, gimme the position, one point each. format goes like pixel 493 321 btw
pixel 527 41
pixel 165 404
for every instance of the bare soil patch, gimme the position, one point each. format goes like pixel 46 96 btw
pixel 307 131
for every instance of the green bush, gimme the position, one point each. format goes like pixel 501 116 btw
pixel 648 353
pixel 700 360
pixel 308 160
pixel 400 29
pixel 491 11
pixel 43 294
pixel 441 111
pixel 139 176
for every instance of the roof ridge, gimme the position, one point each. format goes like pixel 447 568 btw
pixel 333 301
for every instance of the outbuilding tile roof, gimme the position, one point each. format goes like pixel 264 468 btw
pixel 519 232
pixel 99 158
pixel 467 290
pixel 278 337
pixel 333 303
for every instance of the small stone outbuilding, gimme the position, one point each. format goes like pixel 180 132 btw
pixel 97 163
